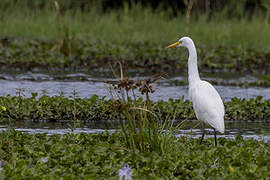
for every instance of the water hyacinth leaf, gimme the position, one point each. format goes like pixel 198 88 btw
pixel 186 158
pixel 97 109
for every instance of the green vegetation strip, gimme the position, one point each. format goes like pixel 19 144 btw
pixel 96 55
pixel 59 108
pixel 100 156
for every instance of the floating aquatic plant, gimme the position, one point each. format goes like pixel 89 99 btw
pixel 100 156
pixel 46 108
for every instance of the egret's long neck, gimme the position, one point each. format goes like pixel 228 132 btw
pixel 193 73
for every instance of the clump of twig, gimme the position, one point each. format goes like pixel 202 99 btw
pixel 145 87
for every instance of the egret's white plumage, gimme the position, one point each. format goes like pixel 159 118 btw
pixel 206 101
pixel 207 104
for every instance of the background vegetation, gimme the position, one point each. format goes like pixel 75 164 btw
pixel 230 36
pixel 139 21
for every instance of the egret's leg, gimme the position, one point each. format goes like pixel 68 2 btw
pixel 203 131
pixel 215 137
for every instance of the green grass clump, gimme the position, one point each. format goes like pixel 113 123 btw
pixel 100 156
pixel 59 108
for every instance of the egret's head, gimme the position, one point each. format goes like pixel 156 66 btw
pixel 183 42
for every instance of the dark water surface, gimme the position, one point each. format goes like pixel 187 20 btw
pixel 256 130
pixel 87 85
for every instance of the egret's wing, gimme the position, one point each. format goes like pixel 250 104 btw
pixel 207 104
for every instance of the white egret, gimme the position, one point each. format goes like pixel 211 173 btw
pixel 206 101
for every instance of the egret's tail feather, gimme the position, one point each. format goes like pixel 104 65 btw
pixel 220 127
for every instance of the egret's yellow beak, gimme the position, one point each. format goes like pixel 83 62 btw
pixel 173 45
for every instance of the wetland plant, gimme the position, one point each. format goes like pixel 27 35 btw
pixel 5 114
pixel 141 127
pixel 75 112
pixel 60 108
pixel 100 156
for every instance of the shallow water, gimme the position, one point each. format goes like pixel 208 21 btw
pixel 86 85
pixel 255 130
